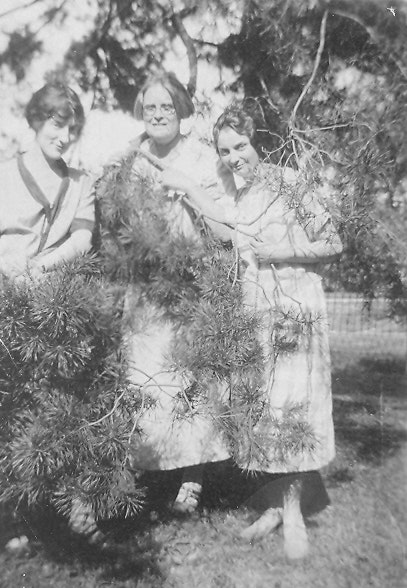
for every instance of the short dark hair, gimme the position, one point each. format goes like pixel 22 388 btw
pixel 235 117
pixel 55 100
pixel 184 107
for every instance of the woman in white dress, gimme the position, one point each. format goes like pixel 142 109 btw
pixel 282 240
pixel 47 208
pixel 185 167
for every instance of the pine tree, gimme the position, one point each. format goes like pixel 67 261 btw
pixel 195 284
pixel 69 415
pixel 66 408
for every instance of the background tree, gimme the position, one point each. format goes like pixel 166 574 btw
pixel 327 84
pixel 326 80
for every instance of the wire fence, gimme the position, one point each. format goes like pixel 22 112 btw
pixel 365 328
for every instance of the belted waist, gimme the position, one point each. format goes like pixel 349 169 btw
pixel 262 265
pixel 309 267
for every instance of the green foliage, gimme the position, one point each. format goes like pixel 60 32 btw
pixel 351 120
pixel 60 369
pixel 260 436
pixel 137 243
pixel 66 409
pixel 128 41
pixel 22 48
pixel 194 283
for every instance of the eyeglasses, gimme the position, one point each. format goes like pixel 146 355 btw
pixel 165 109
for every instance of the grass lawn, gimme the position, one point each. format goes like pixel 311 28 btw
pixel 359 541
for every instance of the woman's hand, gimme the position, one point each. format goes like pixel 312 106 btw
pixel 36 270
pixel 79 243
pixel 14 267
pixel 266 252
pixel 260 249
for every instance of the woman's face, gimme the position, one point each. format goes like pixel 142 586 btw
pixel 159 115
pixel 237 153
pixel 55 136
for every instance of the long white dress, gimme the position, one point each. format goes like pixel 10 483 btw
pixel 294 326
pixel 170 438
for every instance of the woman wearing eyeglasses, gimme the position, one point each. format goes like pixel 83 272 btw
pixel 186 168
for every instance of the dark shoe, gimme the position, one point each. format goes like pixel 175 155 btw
pixel 187 500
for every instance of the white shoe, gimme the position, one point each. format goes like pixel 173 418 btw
pixel 188 497
pixel 267 523
pixel 294 530
pixel 295 540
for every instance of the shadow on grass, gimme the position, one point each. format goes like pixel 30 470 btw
pixel 370 377
pixel 367 394
pixel 119 559
pixel 368 397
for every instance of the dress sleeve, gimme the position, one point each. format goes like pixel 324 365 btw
pixel 85 212
pixel 311 214
pixel 316 220
pixel 295 226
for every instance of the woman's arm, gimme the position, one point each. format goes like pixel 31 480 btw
pixel 312 239
pixel 201 201
pixel 304 251
pixel 13 266
pixel 77 244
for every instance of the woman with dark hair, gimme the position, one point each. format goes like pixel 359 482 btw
pixel 186 168
pixel 47 208
pixel 47 211
pixel 282 235
pixel 185 164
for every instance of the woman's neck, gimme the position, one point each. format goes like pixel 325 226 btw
pixel 36 160
pixel 246 185
pixel 163 150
